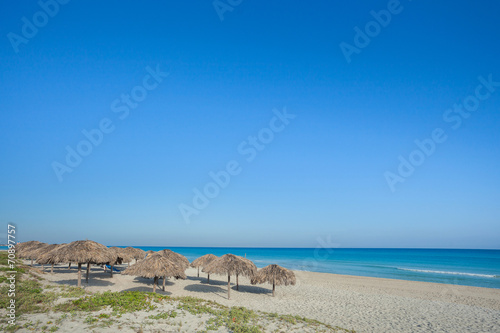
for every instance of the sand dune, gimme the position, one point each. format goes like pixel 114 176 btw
pixel 360 303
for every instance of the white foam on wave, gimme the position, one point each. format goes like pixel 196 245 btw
pixel 447 272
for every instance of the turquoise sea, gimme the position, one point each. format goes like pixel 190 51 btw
pixel 479 268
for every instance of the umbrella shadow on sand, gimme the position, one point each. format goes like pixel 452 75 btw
pixel 61 270
pixel 204 288
pixel 212 282
pixel 94 270
pixel 149 288
pixel 146 281
pixel 194 278
pixel 252 289
pixel 93 283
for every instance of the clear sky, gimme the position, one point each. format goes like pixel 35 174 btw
pixel 360 92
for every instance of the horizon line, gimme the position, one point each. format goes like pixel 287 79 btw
pixel 288 247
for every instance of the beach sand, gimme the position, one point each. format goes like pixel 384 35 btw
pixel 363 304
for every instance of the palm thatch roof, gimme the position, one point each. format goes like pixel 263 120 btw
pixel 24 245
pixel 27 250
pixel 203 260
pixel 275 275
pixel 175 257
pixel 232 265
pixel 49 254
pixel 149 252
pixel 31 252
pixel 37 252
pixel 85 251
pixel 139 253
pixel 154 266
pixel 135 252
pixel 250 263
pixel 121 255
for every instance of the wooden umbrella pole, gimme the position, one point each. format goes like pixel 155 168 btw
pixel 52 268
pixel 164 278
pixel 88 270
pixel 209 278
pixel 198 271
pixel 154 284
pixel 274 287
pixel 79 274
pixel 228 286
pixel 237 284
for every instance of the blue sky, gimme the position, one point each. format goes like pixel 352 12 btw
pixel 324 174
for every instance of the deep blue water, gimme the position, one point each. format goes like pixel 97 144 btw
pixel 480 268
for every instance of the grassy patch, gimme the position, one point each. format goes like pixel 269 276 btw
pixel 72 292
pixel 30 297
pixel 128 301
pixel 18 269
pixel 237 319
pixel 164 315
pixel 4 255
pixel 198 306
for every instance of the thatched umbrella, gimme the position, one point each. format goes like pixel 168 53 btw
pixel 175 257
pixel 119 257
pixel 155 266
pixel 202 262
pixel 122 255
pixel 24 245
pixel 250 263
pixel 231 265
pixel 148 253
pixel 50 256
pixel 42 255
pixel 135 253
pixel 85 252
pixel 26 250
pixel 275 275
pixel 30 252
pixel 139 253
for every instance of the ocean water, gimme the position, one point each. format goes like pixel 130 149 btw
pixel 480 268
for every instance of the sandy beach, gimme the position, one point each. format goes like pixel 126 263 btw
pixel 363 304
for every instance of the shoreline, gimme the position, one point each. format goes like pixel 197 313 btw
pixel 394 279
pixel 485 276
